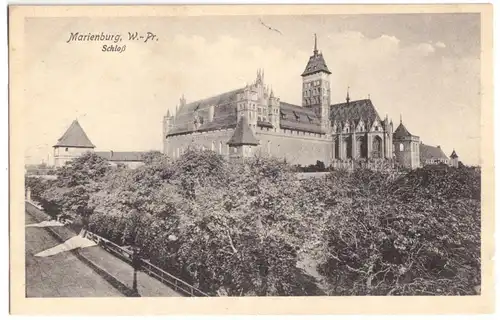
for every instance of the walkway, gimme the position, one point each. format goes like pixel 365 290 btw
pixel 110 264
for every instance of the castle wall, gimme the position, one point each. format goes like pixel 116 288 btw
pixel 296 147
pixel 65 154
pixel 211 140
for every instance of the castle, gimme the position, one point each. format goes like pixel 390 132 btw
pixel 253 121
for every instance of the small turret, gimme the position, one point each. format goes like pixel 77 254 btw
pixel 454 159
pixel 243 141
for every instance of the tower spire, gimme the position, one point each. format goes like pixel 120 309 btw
pixel 347 98
pixel 401 118
pixel 315 44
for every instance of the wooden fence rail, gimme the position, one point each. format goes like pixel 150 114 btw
pixel 146 266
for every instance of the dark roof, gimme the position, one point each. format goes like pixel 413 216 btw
pixel 401 132
pixel 315 64
pixel 299 118
pixel 430 152
pixel 453 155
pixel 121 155
pixel 224 114
pixel 353 111
pixel 243 134
pixel 264 124
pixel 74 137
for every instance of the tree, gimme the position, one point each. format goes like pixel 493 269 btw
pixel 76 182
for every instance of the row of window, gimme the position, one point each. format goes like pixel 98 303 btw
pixel 315 83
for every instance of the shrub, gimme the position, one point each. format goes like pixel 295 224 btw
pixel 240 228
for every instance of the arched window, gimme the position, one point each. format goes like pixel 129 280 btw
pixel 401 147
pixel 377 147
pixel 220 147
pixel 213 146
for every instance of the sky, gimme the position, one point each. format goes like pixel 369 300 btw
pixel 424 68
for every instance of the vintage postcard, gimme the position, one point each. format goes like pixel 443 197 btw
pixel 266 159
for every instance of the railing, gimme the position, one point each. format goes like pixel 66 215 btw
pixel 150 269
pixel 167 278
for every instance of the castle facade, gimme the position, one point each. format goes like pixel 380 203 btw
pixel 253 121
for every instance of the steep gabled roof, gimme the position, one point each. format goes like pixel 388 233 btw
pixel 74 137
pixel 354 111
pixel 121 155
pixel 293 117
pixel 430 152
pixel 315 64
pixel 243 135
pixel 224 114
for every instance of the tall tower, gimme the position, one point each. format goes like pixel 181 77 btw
pixel 316 86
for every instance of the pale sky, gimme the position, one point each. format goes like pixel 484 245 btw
pixel 423 66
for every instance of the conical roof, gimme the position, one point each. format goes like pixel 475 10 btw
pixel 74 137
pixel 401 132
pixel 243 135
pixel 453 155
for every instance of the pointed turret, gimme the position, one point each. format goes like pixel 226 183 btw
pixel 453 155
pixel 316 62
pixel 73 143
pixel 347 98
pixel 243 135
pixel 454 159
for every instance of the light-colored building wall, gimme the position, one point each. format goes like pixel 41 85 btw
pixel 65 154
pixel 407 152
pixel 296 147
pixel 216 140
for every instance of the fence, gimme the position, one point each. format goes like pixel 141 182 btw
pixel 150 269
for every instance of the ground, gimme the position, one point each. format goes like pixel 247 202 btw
pixel 61 275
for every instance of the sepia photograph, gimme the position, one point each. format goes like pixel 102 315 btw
pixel 259 152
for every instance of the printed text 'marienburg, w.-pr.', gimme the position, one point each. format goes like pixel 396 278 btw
pixel 112 37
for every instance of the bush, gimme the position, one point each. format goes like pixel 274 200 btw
pixel 241 228
pixel 416 235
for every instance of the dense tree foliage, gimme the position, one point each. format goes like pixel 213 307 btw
pixel 235 228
